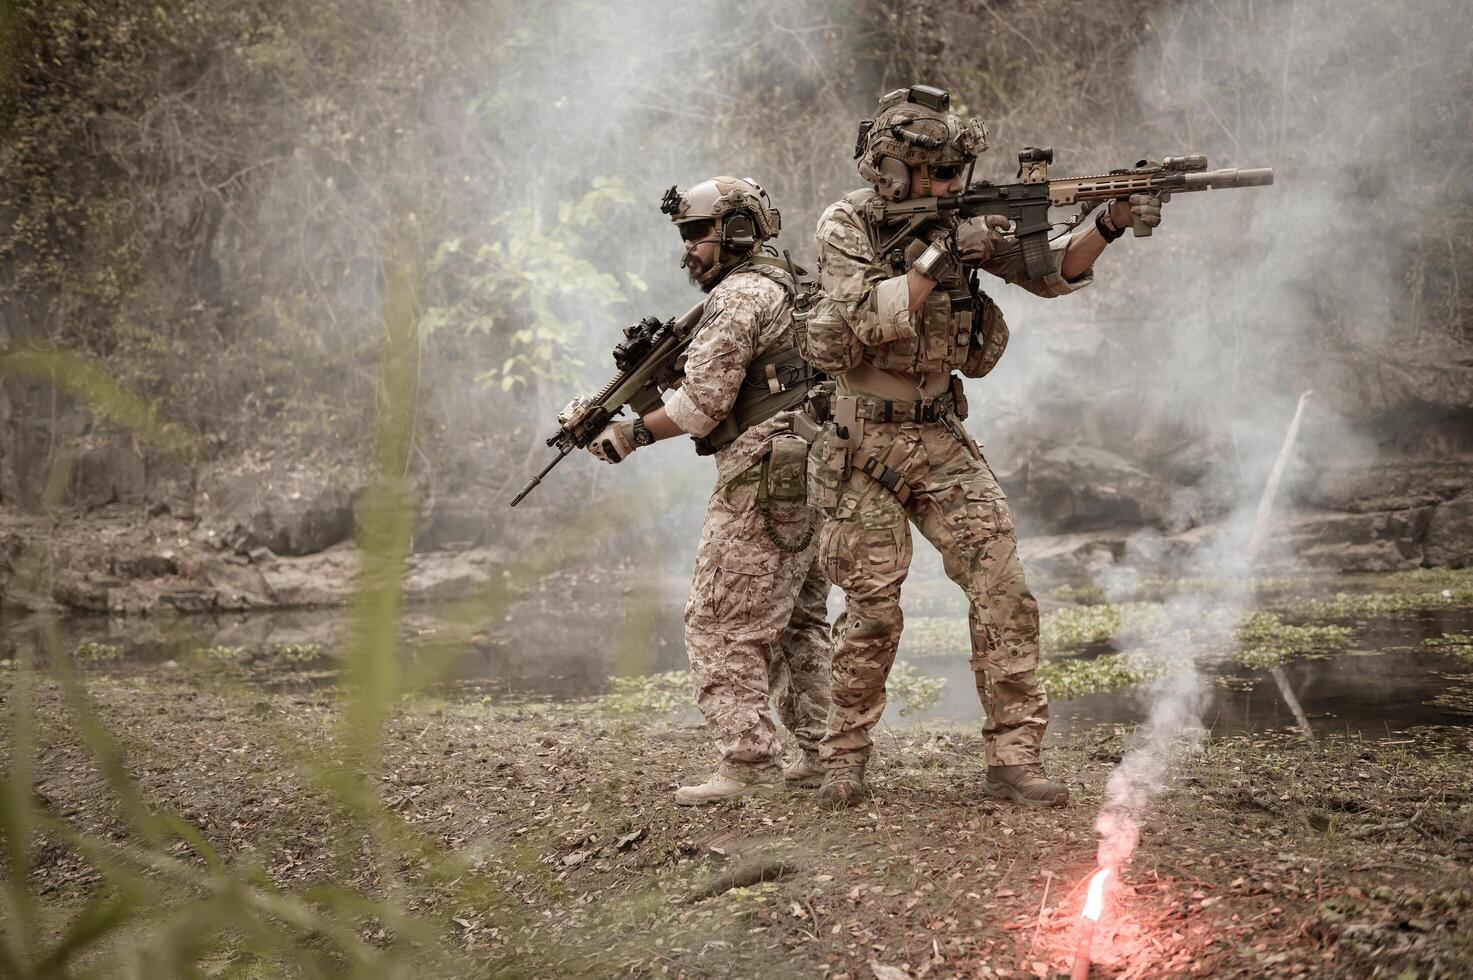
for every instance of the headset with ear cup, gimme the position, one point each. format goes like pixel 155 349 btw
pixel 911 126
pixel 739 230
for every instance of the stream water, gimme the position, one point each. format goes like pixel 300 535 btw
pixel 547 647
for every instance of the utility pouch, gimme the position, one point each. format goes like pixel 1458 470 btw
pixel 784 470
pixel 958 398
pixel 827 459
pixel 846 420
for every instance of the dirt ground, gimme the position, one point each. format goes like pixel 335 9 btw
pixel 1267 855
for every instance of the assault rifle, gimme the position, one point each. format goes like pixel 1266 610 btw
pixel 647 362
pixel 1026 203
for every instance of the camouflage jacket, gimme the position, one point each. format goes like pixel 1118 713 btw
pixel 748 315
pixel 862 315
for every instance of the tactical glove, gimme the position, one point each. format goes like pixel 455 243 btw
pixel 1145 208
pixel 979 238
pixel 615 442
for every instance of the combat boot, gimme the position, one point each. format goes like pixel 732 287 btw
pixel 724 787
pixel 843 787
pixel 806 773
pixel 1025 784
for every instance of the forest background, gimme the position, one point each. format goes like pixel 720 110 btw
pixel 211 199
pixel 290 294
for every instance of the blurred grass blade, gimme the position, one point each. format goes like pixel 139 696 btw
pixel 89 382
pixel 97 738
pixel 17 819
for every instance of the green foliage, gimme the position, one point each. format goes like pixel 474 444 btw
pixel 296 653
pixel 1459 645
pixel 94 652
pixel 166 901
pixel 1073 678
pixel 913 692
pixel 530 284
pixel 1267 641
pixel 221 653
pixel 1075 626
pixel 650 695
pixel 1369 605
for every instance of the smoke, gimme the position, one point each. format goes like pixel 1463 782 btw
pixel 1188 351
pixel 1253 295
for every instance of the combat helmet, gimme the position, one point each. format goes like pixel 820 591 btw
pixel 740 213
pixel 914 125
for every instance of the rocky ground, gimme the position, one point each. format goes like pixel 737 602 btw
pixel 1264 856
pixel 269 532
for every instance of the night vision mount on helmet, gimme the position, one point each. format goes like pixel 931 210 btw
pixel 912 126
pixel 742 216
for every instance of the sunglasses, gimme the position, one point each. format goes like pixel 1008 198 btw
pixel 945 171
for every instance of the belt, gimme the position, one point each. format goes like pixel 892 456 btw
pixel 920 410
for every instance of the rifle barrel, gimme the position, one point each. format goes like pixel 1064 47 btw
pixel 1250 177
pixel 532 483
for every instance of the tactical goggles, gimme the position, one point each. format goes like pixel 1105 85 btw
pixel 695 231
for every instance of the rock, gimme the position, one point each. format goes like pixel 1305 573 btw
pixel 103 474
pixel 304 525
pixel 170 486
pixel 291 522
pixel 1365 380
pixel 325 579
pixel 1071 556
pixel 82 591
pixel 1078 488
pixel 186 597
pixel 452 575
pixel 1377 541
pixel 147 565
pixel 452 524
pixel 1449 538
pixel 1393 484
pixel 235 586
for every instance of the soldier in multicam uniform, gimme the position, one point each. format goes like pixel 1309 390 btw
pixel 899 313
pixel 756 620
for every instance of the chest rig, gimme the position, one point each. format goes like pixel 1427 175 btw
pixel 946 327
pixel 776 381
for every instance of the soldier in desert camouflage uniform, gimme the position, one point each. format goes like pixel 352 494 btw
pixel 756 620
pixel 899 313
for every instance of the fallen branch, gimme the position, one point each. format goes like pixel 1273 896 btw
pixel 1381 828
pixel 744 874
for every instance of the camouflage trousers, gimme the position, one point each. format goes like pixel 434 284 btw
pixel 866 551
pixel 756 627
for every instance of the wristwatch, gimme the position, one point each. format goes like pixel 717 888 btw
pixel 641 434
pixel 934 263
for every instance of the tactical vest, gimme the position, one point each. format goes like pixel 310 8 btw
pixel 947 321
pixel 775 382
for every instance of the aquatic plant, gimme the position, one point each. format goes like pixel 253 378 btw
pixel 94 652
pixel 652 694
pixel 1076 626
pixel 1073 678
pixel 1267 641
pixel 913 691
pixel 1459 645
